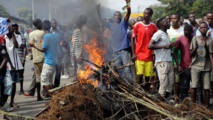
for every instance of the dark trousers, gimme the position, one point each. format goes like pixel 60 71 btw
pixel 184 83
pixel 57 75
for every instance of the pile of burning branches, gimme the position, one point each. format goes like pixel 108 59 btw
pixel 111 97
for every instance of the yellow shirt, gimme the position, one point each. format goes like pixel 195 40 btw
pixel 35 37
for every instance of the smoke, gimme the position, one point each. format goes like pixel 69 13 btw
pixel 64 11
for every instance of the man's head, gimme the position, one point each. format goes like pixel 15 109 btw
pixel 117 17
pixel 54 24
pixel 168 18
pixel 15 27
pixel 139 18
pixel 132 23
pixel 147 14
pixel 37 23
pixel 203 28
pixel 191 18
pixel 175 19
pixel 46 25
pixel 209 17
pixel 188 31
pixel 82 20
pixel 163 24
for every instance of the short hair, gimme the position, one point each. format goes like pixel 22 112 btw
pixel 176 15
pixel 188 28
pixel 37 22
pixel 82 20
pixel 210 12
pixel 15 25
pixel 158 23
pixel 54 20
pixel 46 25
pixel 117 12
pixel 204 23
pixel 150 10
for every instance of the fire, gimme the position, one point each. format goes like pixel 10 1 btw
pixel 95 53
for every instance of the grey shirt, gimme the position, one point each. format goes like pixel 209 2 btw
pixel 162 55
pixel 201 60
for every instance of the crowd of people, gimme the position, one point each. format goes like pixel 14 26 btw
pixel 169 55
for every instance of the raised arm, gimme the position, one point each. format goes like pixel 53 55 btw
pixel 126 18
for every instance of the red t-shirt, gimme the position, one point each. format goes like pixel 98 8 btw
pixel 143 34
pixel 183 44
pixel 2 40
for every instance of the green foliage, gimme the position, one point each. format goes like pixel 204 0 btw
pixel 25 13
pixel 182 7
pixel 3 11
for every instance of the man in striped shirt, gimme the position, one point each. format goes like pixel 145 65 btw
pixel 78 42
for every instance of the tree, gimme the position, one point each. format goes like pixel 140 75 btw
pixel 158 11
pixel 3 11
pixel 25 13
pixel 184 7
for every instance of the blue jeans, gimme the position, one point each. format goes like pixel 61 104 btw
pixel 184 83
pixel 123 58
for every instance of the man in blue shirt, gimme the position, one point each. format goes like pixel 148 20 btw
pixel 49 47
pixel 119 41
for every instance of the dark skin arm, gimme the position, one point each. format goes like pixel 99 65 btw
pixel 14 41
pixel 41 50
pixel 4 61
pixel 154 46
pixel 193 51
pixel 126 19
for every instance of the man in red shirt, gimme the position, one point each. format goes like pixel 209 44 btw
pixel 143 32
pixel 183 44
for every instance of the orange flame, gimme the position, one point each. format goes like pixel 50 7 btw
pixel 96 56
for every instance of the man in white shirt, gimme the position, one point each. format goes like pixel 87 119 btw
pixel 11 47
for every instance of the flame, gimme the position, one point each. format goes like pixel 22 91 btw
pixel 95 53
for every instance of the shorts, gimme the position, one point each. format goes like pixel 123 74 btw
pixel 15 75
pixel 47 74
pixel 200 77
pixel 144 68
pixel 38 70
pixel 8 83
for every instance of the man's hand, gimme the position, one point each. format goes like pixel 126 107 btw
pixel 167 46
pixel 180 69
pixel 22 62
pixel 128 1
pixel 79 60
pixel 31 44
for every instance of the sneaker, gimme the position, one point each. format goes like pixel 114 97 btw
pixel 6 108
pixel 64 76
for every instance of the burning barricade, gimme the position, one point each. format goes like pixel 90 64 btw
pixel 100 93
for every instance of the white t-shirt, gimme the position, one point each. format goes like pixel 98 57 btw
pixel 12 52
pixel 174 34
pixel 162 55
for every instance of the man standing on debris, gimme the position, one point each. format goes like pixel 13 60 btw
pixel 50 45
pixel 35 38
pixel 160 43
pixel 119 41
pixel 183 44
pixel 142 34
pixel 200 48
